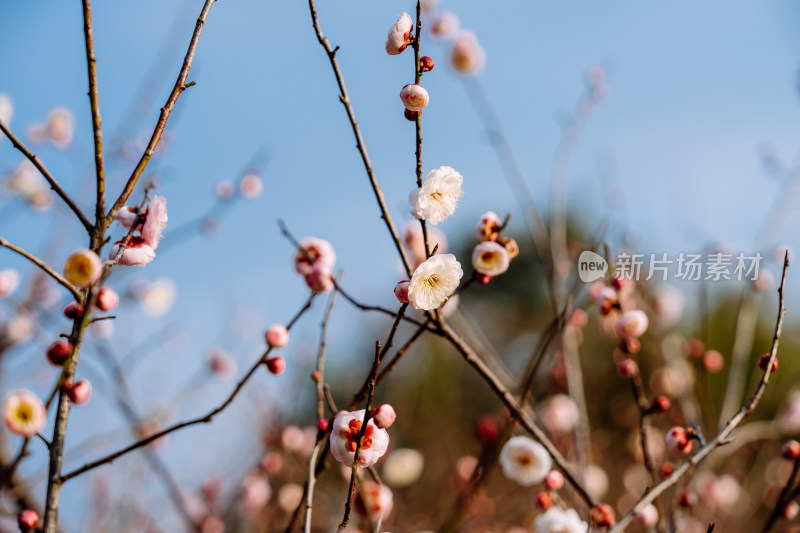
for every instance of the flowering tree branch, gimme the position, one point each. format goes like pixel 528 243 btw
pixel 345 99
pixel 723 437
pixel 44 266
pixel 177 90
pixel 33 158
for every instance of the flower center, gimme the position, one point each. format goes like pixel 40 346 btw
pixel 24 413
pixel 486 257
pixel 524 459
pixel 351 433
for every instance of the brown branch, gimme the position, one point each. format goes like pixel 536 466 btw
pixel 177 90
pixel 724 435
pixel 41 264
pixel 94 101
pixel 784 498
pixel 33 158
pixel 204 419
pixel 345 99
pixel 417 123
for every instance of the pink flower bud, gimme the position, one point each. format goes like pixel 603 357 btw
pixel 316 376
pixel 648 517
pixel 224 189
pixel 791 510
pixel 276 336
pixel 425 64
pixel 713 361
pixel 687 499
pixel 764 360
pixel 487 429
pixel 251 186
pixel 666 469
pixel 579 318
pixel 83 268
pixel 483 279
pixel 401 291
pixel 107 299
pixel 323 425
pixel 627 368
pixel 791 450
pixel 59 352
pixel 79 392
pixel 127 216
pixel 602 516
pixel 554 480
pixel 544 501
pixel 73 310
pixel 678 441
pixel 384 416
pixel 320 279
pixel 27 520
pixel 275 365
pixel 411 116
pixel 660 404
pixel 414 97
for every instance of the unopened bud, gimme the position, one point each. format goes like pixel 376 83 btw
pixel 275 365
pixel 425 64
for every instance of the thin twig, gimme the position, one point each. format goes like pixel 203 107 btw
pixel 783 498
pixel 94 101
pixel 204 419
pixel 33 158
pixel 41 264
pixel 724 434
pixel 177 90
pixel 345 99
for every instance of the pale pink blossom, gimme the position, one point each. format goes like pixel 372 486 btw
pixel 414 97
pixel 606 300
pixel 678 441
pixel 6 110
pixel 83 268
pixel 26 182
pixel 400 35
pixel 559 414
pixel 127 216
pixel 631 324
pixel 445 25
pixel 558 520
pixel 251 186
pixel 401 291
pixel 377 499
pixel 320 279
pixel 490 258
pixel 313 251
pixel 136 253
pixel 79 392
pixel 293 439
pixel 384 416
pixel 60 127
pixel 255 493
pixel 415 243
pixel 434 281
pixel 9 281
pixel 277 336
pixel 596 480
pixel 719 493
pixel 19 329
pixel 554 480
pixel 344 436
pixel 220 363
pixel 402 467
pixel 467 56
pixel 107 299
pixel 24 413
pixel 649 516
pixel 155 221
pixel 488 225
pixel 525 461
pixel 437 199
pixel 224 189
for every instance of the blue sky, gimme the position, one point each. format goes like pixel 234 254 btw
pixel 696 88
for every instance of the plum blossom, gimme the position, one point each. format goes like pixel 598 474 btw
pixel 24 413
pixel 678 441
pixel 377 500
pixel 157 297
pixel 557 520
pixel 402 467
pixel 401 291
pixel 136 253
pixel 415 243
pixel 344 435
pixel 6 110
pixel 438 197
pixel 490 258
pixel 446 25
pixel 26 182
pixel 488 225
pixel 525 461
pixel 107 299
pixel 400 35
pixel 384 416
pixel 434 281
pixel 83 268
pixel 9 281
pixel 467 55
pixel 127 216
pixel 414 97
pixel 631 324
pixel 277 336
pixel 60 127
pixel 560 414
pixel 251 186
pixel 155 221
pixel 312 252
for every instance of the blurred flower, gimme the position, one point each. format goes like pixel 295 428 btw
pixel 255 493
pixel 127 216
pixel 224 189
pixel 678 441
pixel 19 329
pixel 559 414
pixel 557 520
pixel 344 435
pixel 631 324
pixel 59 126
pixel 290 496
pixel 107 299
pixel 251 186
pixel 320 279
pixel 445 25
pixel 292 439
pixel 136 253
pixel 79 392
pixel 6 110
pixel 525 460
pixel 490 258
pixel 24 413
pixel 437 199
pixel 668 303
pixel 488 226
pixel 312 252
pixel 83 268
pixel 789 419
pixel 377 500
pixel 649 516
pixel 220 363
pixel 596 480
pixel 719 493
pixel 606 300
pixel 402 467
pixel 9 280
pixel 155 221
pixel 158 297
pixel 384 416
pixel 277 336
pixel 467 55
pixel 415 243
pixel 414 97
pixel 434 281
pixel 400 35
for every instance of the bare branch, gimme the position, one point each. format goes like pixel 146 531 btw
pixel 41 264
pixel 94 101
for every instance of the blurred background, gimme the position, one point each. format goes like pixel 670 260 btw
pixel 669 128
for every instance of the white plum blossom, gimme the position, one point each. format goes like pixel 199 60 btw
pixel 24 413
pixel 557 520
pixel 402 467
pixel 60 127
pixel 82 268
pixel 434 281
pixel 446 25
pixel 344 436
pixel 400 35
pixel 490 258
pixel 414 97
pixel 6 110
pixel 438 197
pixel 467 55
pixel 377 499
pixel 9 281
pixel 631 324
pixel 525 461
pixel 560 414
